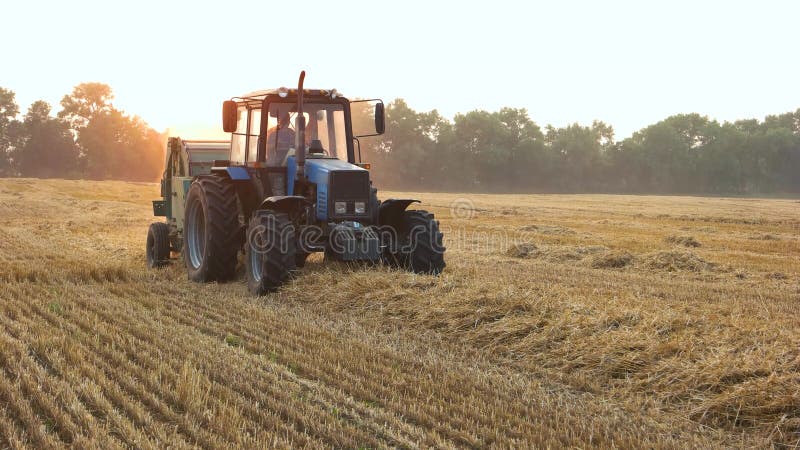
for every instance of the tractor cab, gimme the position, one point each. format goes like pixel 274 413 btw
pixel 292 184
pixel 265 140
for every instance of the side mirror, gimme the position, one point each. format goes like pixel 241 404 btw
pixel 380 120
pixel 361 118
pixel 229 116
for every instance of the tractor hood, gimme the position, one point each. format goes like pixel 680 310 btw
pixel 336 181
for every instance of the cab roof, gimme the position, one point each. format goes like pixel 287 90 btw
pixel 261 94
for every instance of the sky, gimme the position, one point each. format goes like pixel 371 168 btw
pixel 628 63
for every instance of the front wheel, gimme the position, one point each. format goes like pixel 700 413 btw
pixel 418 246
pixel 270 251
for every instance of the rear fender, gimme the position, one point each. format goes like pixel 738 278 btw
pixel 235 173
pixel 391 210
pixel 284 203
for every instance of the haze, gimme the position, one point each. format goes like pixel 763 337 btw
pixel 629 64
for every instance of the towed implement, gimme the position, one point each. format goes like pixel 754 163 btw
pixel 289 183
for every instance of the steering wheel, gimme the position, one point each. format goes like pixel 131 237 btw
pixel 324 152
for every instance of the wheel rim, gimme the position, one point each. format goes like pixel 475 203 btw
pixel 255 264
pixel 196 234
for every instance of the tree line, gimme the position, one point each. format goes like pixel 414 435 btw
pixel 89 138
pixel 478 151
pixel 506 151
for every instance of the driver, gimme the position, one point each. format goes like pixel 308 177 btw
pixel 280 139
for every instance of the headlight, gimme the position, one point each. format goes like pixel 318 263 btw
pixel 283 92
pixel 360 207
pixel 340 207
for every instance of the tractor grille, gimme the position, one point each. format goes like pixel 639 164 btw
pixel 348 186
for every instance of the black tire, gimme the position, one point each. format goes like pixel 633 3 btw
pixel 420 248
pixel 211 230
pixel 270 251
pixel 300 258
pixel 157 245
pixel 394 242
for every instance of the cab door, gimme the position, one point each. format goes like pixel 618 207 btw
pixel 180 184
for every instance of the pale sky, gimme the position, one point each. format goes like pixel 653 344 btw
pixel 628 63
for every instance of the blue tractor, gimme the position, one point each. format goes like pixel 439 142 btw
pixel 293 184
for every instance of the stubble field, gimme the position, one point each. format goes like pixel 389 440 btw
pixel 560 321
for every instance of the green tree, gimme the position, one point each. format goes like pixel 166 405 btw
pixel 782 142
pixel 406 156
pixel 527 165
pixel 719 164
pixel 497 150
pixel 478 136
pixel 113 145
pixel 9 127
pixel 669 153
pixel 579 152
pixel 46 148
pixel 87 101
pixel 119 147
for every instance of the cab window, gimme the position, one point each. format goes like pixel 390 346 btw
pixel 252 143
pixel 238 138
pixel 325 131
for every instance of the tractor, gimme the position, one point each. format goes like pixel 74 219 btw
pixel 289 183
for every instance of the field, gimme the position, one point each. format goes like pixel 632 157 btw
pixel 560 321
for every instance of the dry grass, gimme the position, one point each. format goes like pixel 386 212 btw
pixel 586 329
pixel 672 260
pixel 612 260
pixel 686 241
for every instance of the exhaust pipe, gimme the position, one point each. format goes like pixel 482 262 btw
pixel 300 136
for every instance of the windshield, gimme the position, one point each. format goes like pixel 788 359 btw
pixel 325 131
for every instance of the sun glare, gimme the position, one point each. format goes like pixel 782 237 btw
pixel 196 131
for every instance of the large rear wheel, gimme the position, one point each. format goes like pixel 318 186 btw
pixel 270 251
pixel 211 229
